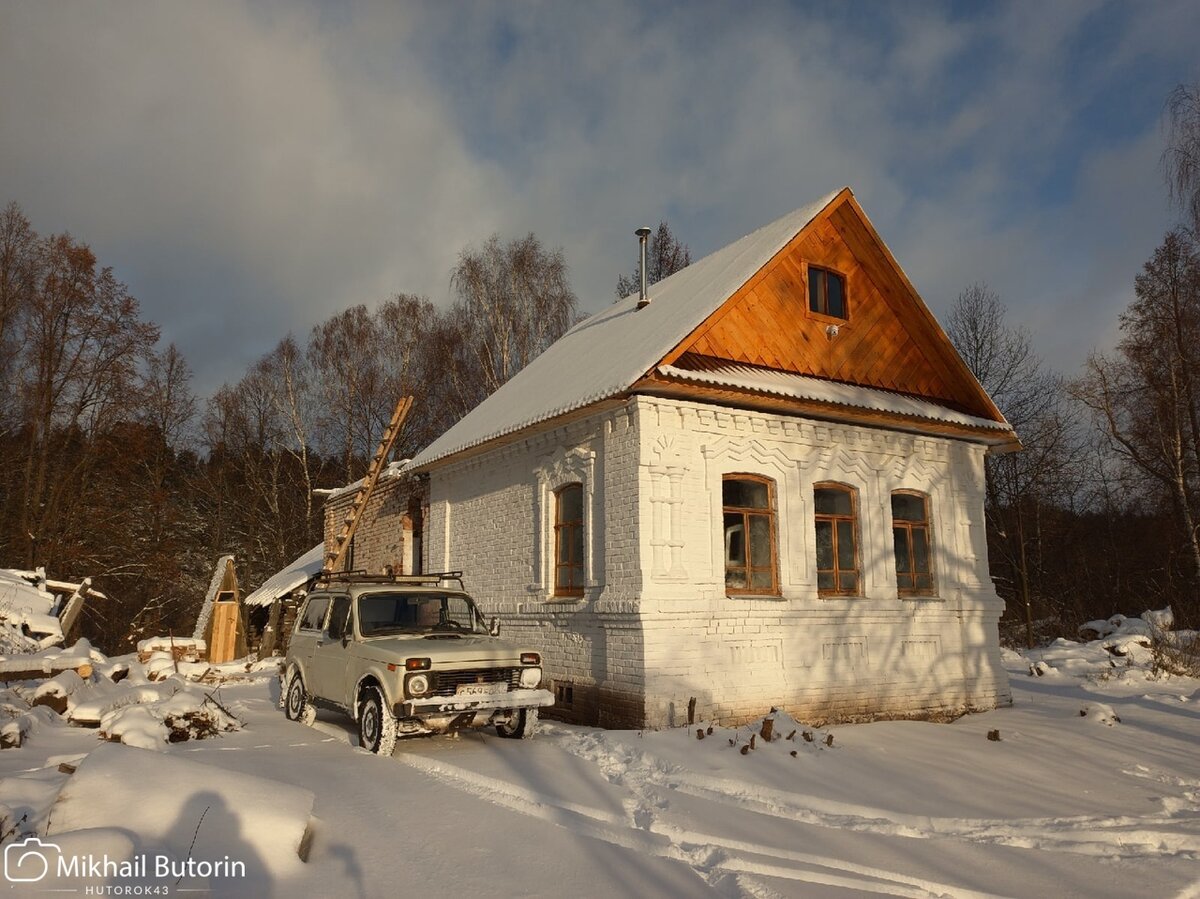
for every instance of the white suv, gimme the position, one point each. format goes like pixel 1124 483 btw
pixel 405 656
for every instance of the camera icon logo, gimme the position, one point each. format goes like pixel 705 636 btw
pixel 28 861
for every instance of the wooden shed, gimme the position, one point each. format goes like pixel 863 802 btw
pixel 222 622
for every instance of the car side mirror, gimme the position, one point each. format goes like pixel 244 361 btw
pixel 494 627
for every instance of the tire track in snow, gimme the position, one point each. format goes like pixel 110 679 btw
pixel 714 858
pixel 1092 835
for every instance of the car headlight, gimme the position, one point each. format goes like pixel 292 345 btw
pixel 418 685
pixel 531 677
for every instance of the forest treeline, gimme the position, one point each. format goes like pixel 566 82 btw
pixel 111 466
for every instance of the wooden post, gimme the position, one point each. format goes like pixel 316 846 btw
pixel 270 632
pixel 73 607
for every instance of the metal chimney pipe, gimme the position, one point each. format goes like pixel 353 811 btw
pixel 642 233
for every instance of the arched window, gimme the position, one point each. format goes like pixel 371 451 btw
pixel 837 539
pixel 568 540
pixel 910 535
pixel 749 506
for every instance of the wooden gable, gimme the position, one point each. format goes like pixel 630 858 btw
pixel 888 340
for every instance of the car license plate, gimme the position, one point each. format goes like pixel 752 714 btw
pixel 480 689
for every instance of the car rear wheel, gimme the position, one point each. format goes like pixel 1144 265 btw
pixel 296 706
pixel 376 725
pixel 521 726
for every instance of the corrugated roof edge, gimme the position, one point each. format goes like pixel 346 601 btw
pixel 297 572
pixel 823 391
pixel 393 470
pixel 513 429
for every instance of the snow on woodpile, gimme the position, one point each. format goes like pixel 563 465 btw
pixel 1125 650
pixel 27 619
pixel 183 713
pixel 80 686
pixel 189 649
pixel 179 809
pixel 55 660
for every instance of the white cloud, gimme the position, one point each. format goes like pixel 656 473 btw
pixel 252 168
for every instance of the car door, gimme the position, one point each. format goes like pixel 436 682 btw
pixel 310 624
pixel 332 654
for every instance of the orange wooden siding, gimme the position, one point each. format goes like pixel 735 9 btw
pixel 889 340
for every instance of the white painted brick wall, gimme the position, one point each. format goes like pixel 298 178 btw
pixel 820 658
pixel 655 628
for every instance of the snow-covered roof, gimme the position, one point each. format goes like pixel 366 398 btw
pixel 805 387
pixel 294 575
pixel 210 597
pixel 603 356
pixel 393 470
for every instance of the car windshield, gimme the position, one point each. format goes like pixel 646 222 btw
pixel 415 613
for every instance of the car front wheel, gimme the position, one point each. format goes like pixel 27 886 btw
pixel 376 725
pixel 521 726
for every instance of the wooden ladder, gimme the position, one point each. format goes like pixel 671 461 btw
pixel 334 556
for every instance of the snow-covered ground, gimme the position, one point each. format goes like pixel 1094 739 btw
pixel 1092 789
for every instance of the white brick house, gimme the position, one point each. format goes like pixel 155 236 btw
pixel 764 487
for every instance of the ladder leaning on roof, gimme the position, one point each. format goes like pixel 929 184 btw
pixel 335 555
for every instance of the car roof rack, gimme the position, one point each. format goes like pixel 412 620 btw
pixel 427 579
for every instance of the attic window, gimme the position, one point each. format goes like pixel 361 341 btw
pixel 826 292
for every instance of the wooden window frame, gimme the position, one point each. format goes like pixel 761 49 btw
pixel 746 511
pixel 833 519
pixel 826 316
pixel 559 525
pixel 907 526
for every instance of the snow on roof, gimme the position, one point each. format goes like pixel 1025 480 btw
pixel 789 384
pixel 295 575
pixel 606 354
pixel 211 596
pixel 393 470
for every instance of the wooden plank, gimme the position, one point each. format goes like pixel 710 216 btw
pixel 853 224
pixel 771 325
pixel 753 281
pixel 224 632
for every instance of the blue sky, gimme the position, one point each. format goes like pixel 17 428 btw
pixel 251 168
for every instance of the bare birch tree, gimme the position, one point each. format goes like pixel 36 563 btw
pixel 1144 396
pixel 18 273
pixel 344 354
pixel 1181 158
pixel 1019 485
pixel 514 300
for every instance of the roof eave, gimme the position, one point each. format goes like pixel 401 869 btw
pixel 519 433
pixel 998 439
